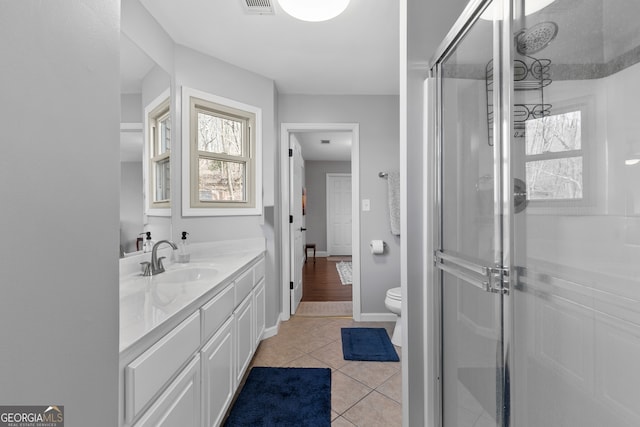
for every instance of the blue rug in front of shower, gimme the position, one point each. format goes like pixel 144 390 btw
pixel 284 397
pixel 368 344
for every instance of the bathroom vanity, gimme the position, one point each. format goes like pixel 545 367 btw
pixel 187 335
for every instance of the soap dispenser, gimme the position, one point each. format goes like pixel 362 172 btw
pixel 147 246
pixel 183 250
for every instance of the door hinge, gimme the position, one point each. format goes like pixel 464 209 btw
pixel 290 152
pixel 290 285
pixel 498 280
pixel 290 219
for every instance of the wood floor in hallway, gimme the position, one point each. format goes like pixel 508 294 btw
pixel 321 281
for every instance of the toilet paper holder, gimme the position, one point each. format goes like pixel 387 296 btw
pixel 377 247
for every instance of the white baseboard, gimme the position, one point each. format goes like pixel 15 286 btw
pixel 272 331
pixel 377 317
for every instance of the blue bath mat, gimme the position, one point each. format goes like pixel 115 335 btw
pixel 284 397
pixel 368 344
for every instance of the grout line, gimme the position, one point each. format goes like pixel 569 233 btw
pixel 388 380
pixel 364 397
pixel 345 411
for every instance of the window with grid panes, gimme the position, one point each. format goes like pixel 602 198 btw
pixel 222 146
pixel 159 149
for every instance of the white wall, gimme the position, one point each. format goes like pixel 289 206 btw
pixel 379 151
pixel 424 25
pixel 147 34
pixel 131 108
pixel 59 181
pixel 316 182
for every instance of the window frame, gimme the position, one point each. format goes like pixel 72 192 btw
pixel 154 112
pixel 583 106
pixel 194 101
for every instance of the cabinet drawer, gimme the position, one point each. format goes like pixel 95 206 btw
pixel 243 286
pixel 179 404
pixel 215 312
pixel 259 270
pixel 145 376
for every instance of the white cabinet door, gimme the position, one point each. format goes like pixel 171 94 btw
pixel 179 405
pixel 218 375
pixel 259 307
pixel 244 336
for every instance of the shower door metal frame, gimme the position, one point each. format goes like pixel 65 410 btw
pixel 503 192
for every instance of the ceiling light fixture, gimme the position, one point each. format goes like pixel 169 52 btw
pixel 314 10
pixel 530 7
pixel 633 153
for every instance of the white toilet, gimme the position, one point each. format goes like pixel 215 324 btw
pixel 393 302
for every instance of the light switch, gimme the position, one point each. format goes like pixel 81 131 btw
pixel 366 205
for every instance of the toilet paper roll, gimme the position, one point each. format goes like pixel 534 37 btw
pixel 377 247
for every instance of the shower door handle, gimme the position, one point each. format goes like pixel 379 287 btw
pixel 482 284
pixel 491 279
pixel 468 265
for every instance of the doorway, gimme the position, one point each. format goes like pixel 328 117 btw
pixel 288 132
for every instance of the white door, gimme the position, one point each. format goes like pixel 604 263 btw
pixel 296 226
pixel 339 214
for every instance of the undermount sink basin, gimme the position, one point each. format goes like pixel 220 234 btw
pixel 186 275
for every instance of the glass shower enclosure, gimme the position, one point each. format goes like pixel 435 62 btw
pixel 538 198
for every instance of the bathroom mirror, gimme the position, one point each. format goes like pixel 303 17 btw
pixel 142 83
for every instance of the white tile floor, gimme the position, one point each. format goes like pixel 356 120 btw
pixel 364 394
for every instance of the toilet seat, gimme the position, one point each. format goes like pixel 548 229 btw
pixel 395 294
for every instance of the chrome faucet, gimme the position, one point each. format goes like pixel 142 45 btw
pixel 156 263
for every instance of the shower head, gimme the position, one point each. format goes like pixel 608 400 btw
pixel 536 38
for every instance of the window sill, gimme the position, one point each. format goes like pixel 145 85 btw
pixel 221 211
pixel 158 212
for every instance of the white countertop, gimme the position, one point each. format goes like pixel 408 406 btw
pixel 148 302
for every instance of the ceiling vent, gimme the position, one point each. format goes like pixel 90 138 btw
pixel 258 7
pixel 325 141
